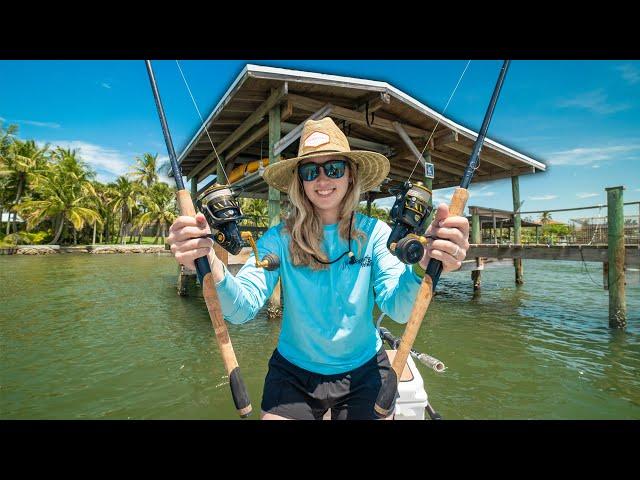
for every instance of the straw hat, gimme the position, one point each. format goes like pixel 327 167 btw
pixel 321 138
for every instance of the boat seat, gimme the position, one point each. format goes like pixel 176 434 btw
pixel 407 374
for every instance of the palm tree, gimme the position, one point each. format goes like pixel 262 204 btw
pixel 160 205
pixel 146 169
pixel 64 198
pixel 256 209
pixel 545 218
pixel 125 199
pixel 20 162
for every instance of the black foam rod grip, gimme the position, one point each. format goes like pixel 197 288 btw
pixel 434 269
pixel 386 395
pixel 202 267
pixel 239 392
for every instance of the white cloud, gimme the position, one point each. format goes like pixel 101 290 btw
pixel 544 197
pixel 35 123
pixel 40 124
pixel 162 161
pixel 585 156
pixel 108 162
pixel 595 101
pixel 595 166
pixel 630 73
pixel 105 85
pixel 587 195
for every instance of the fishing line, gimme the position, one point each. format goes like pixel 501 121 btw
pixel 584 264
pixel 202 120
pixel 442 115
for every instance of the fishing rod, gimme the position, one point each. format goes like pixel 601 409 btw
pixel 394 342
pixel 222 212
pixel 411 205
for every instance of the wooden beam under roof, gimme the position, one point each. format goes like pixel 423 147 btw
pixel 353 116
pixel 450 137
pixel 375 102
pixel 483 156
pixel 495 176
pixel 438 166
pixel 294 134
pixel 276 97
pixel 259 132
pixel 454 161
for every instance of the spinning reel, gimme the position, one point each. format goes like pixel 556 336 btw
pixel 410 213
pixel 222 211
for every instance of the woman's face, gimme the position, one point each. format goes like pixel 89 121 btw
pixel 327 193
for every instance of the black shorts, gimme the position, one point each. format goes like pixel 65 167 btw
pixel 295 393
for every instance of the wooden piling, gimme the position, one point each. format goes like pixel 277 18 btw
pixel 274 307
pixel 517 262
pixel 616 254
pixel 428 182
pixel 476 239
pixel 605 275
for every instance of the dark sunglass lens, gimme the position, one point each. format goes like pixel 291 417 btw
pixel 308 171
pixel 334 169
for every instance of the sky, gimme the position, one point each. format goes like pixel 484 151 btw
pixel 579 117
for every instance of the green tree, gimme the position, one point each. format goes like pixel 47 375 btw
pixel 64 198
pixel 146 169
pixel 376 212
pixel 21 162
pixel 160 205
pixel 124 201
pixel 256 211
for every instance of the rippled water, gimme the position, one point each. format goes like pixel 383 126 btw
pixel 88 336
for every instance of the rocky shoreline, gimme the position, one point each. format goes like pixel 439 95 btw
pixel 93 249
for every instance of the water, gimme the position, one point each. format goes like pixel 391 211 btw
pixel 107 337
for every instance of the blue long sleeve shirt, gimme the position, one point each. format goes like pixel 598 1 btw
pixel 327 324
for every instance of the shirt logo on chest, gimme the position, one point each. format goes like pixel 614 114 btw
pixel 364 262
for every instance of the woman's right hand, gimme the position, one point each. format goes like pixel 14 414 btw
pixel 188 240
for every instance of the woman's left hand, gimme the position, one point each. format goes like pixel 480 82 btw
pixel 452 243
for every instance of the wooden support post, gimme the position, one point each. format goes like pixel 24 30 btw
pixel 194 189
pixel 369 203
pixel 495 234
pixel 605 275
pixel 476 238
pixel 517 262
pixel 616 254
pixel 274 308
pixel 537 234
pixel 428 182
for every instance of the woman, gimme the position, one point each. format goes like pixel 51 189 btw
pixel 334 265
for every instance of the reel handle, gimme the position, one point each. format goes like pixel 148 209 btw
pixel 269 262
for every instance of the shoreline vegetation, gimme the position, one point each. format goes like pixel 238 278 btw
pixel 50 197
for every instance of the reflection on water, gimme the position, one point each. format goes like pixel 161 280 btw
pixel 88 336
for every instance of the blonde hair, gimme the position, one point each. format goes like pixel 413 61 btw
pixel 305 227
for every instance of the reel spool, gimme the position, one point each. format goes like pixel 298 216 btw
pixel 410 213
pixel 222 211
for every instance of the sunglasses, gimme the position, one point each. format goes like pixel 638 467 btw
pixel 332 169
